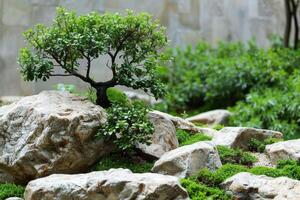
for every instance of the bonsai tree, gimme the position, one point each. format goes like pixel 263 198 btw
pixel 131 43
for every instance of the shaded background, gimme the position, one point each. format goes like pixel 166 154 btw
pixel 187 22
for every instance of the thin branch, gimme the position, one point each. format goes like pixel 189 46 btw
pixel 61 74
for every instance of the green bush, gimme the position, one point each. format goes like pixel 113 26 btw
pixel 127 124
pixel 259 146
pixel 11 190
pixel 186 138
pixel 119 161
pixel 235 156
pixel 198 191
pixel 275 109
pixel 206 78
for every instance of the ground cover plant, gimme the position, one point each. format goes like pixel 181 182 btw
pixel 11 190
pixel 185 138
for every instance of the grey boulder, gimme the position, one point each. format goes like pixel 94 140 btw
pixel 52 132
pixel 187 160
pixel 114 184
pixel 246 186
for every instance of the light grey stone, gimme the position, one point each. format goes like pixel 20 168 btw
pixel 53 132
pixel 187 160
pixel 252 187
pixel 239 137
pixel 212 117
pixel 289 149
pixel 103 185
pixel 14 198
pixel 164 138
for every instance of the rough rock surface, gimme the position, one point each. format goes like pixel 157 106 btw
pixel 106 185
pixel 184 124
pixel 164 138
pixel 262 160
pixel 289 149
pixel 212 117
pixel 247 186
pixel 52 132
pixel 188 160
pixel 14 198
pixel 5 100
pixel 239 137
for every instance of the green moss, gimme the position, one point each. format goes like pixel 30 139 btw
pixel 198 191
pixel 235 156
pixel 268 171
pixel 117 161
pixel 186 138
pixel 215 178
pixel 11 190
pixel 260 145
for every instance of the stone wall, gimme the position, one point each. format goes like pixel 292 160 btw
pixel 187 21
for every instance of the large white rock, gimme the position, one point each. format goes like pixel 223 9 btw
pixel 52 132
pixel 289 149
pixel 187 160
pixel 212 117
pixel 164 137
pixel 114 184
pixel 239 137
pixel 252 187
pixel 5 100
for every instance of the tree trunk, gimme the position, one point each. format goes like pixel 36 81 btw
pixel 102 98
pixel 288 24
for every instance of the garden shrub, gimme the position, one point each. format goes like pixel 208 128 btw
pixel 235 156
pixel 119 161
pixel 11 190
pixel 186 138
pixel 260 145
pixel 198 191
pixel 207 78
pixel 127 124
pixel 274 109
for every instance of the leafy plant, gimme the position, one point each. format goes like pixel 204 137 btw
pixel 127 124
pixel 119 161
pixel 133 40
pixel 275 109
pixel 205 78
pixel 11 190
pixel 235 156
pixel 198 191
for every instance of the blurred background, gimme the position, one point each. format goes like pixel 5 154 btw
pixel 187 22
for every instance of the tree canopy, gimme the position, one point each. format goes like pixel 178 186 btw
pixel 132 43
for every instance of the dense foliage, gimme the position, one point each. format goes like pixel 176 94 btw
pixel 275 109
pixel 127 124
pixel 205 77
pixel 186 138
pixel 132 43
pixel 235 156
pixel 11 190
